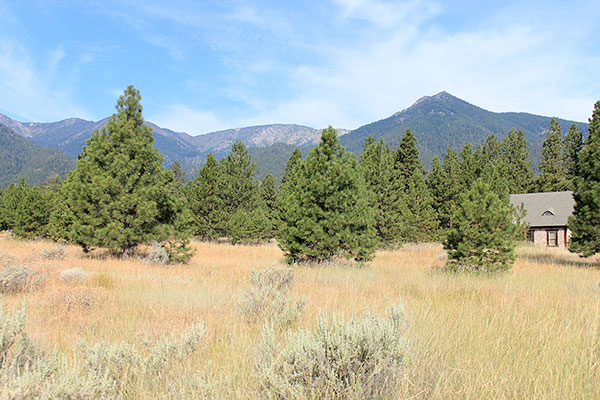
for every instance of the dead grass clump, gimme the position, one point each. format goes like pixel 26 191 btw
pixel 360 358
pixel 73 275
pixel 77 298
pixel 18 278
pixel 267 297
pixel 101 280
pixel 6 259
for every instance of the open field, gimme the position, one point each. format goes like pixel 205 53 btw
pixel 531 333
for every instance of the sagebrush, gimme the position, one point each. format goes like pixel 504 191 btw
pixel 359 358
pixel 99 371
pixel 267 297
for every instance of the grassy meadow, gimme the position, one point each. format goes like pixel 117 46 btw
pixel 531 333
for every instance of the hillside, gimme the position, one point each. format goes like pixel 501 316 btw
pixel 442 120
pixel 437 122
pixel 70 135
pixel 21 157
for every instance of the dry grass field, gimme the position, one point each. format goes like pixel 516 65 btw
pixel 531 333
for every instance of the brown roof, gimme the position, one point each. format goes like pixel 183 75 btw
pixel 545 209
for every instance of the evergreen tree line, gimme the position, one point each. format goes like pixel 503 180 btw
pixel 327 204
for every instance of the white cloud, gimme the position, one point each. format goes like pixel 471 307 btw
pixel 31 93
pixel 182 118
pixel 503 65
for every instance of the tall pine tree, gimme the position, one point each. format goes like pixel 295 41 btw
pixel 178 173
pixel 325 206
pixel 292 163
pixel 407 156
pixel 585 221
pixel 268 203
pixel 515 163
pixel 386 189
pixel 436 181
pixel 453 189
pixel 469 170
pixel 552 178
pixel 120 196
pixel 205 201
pixel 492 149
pixel 573 143
pixel 239 190
pixel 419 217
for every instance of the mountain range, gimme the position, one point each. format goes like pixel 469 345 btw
pixel 21 157
pixel 437 121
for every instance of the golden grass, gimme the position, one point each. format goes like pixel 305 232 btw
pixel 530 333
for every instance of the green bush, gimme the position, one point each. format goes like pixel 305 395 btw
pixel 359 358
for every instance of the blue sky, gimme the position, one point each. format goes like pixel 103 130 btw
pixel 208 65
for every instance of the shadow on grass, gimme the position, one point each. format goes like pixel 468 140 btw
pixel 560 259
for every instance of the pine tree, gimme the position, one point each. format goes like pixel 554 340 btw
pixel 496 179
pixel 205 200
pixel 295 160
pixel 325 210
pixel 552 178
pixel 436 182
pixel 239 190
pixel 386 189
pixel 419 217
pixel 453 188
pixel 515 163
pixel 572 145
pixel 486 229
pixel 9 203
pixel 120 196
pixel 585 221
pixel 30 213
pixel 407 156
pixel 468 166
pixel 3 224
pixel 268 203
pixel 178 173
pixel 492 150
pixel 61 219
pixel 249 226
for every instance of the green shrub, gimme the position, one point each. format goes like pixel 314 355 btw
pixel 267 297
pixel 359 358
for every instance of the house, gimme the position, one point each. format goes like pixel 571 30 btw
pixel 547 215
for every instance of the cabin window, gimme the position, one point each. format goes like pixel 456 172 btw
pixel 530 236
pixel 552 238
pixel 547 213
